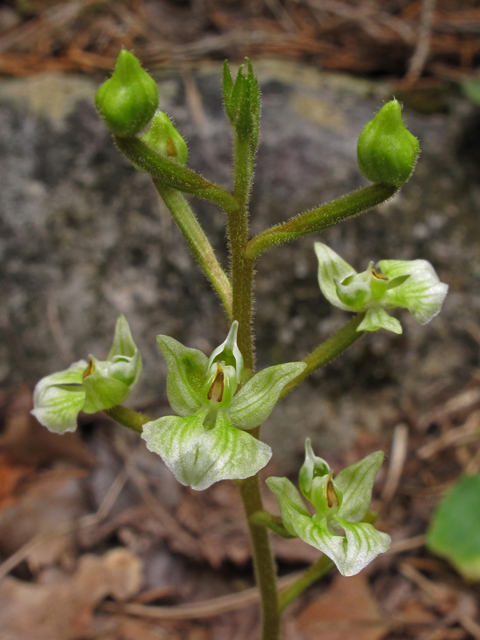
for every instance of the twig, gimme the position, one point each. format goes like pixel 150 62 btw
pixel 199 610
pixel 68 527
pixel 232 602
pixel 469 432
pixel 397 460
pixel 422 49
pixel 174 531
pixel 407 544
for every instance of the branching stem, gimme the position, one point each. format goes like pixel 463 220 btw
pixel 197 242
pixel 328 350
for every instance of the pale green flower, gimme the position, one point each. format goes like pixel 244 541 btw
pixel 340 504
pixel 407 284
pixel 89 386
pixel 208 439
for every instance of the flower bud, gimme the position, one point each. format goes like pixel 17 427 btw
pixel 386 150
pixel 128 100
pixel 164 138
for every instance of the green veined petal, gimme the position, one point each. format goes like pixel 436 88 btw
pixel 256 399
pixel 290 502
pixel 331 268
pixel 422 293
pixel 363 544
pixel 356 483
pixel 199 457
pixel 187 371
pixel 376 319
pixel 103 392
pixel 59 398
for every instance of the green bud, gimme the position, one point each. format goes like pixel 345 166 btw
pixel 164 138
pixel 128 100
pixel 386 150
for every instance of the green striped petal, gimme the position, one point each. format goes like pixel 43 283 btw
pixel 351 552
pixel 376 319
pixel 187 372
pixel 199 456
pixel 290 502
pixel 254 402
pixel 102 391
pixel 362 545
pixel 421 293
pixel 356 483
pixel 332 269
pixel 124 357
pixel 59 398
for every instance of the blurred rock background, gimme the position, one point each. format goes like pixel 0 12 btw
pixel 84 237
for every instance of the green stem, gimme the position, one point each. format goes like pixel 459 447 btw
pixel 241 267
pixel 173 174
pixel 328 350
pixel 320 218
pixel 317 570
pixel 263 560
pixel 242 286
pixel 197 242
pixel 128 417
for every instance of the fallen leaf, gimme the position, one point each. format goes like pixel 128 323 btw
pixel 24 439
pixel 54 498
pixel 11 473
pixel 347 609
pixel 63 611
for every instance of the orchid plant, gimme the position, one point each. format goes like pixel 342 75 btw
pixel 218 401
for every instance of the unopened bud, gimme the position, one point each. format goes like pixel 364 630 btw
pixel 386 150
pixel 164 138
pixel 128 100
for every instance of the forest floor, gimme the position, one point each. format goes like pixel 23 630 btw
pixel 98 540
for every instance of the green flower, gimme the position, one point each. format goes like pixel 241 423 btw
pixel 407 284
pixel 207 440
pixel 340 504
pixel 89 386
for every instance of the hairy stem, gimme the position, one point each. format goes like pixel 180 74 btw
pixel 241 267
pixel 128 417
pixel 197 242
pixel 328 350
pixel 242 288
pixel 263 560
pixel 317 570
pixel 173 174
pixel 327 215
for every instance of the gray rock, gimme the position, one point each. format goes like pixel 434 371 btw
pixel 84 237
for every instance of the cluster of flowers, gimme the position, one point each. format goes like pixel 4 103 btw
pixel 208 439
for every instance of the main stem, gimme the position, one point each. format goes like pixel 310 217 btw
pixel 242 290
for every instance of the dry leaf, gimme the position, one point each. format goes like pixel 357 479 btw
pixel 24 439
pixel 10 475
pixel 55 498
pixel 348 609
pixel 63 611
